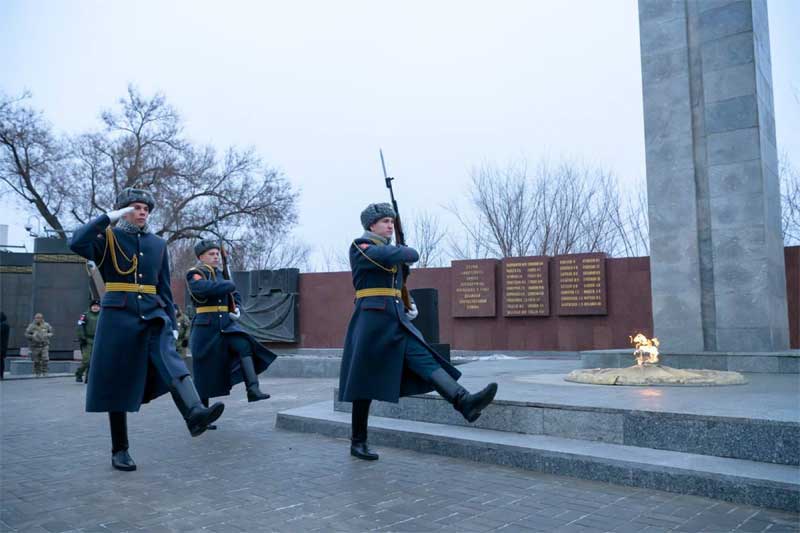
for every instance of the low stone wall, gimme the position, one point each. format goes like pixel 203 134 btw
pixel 768 362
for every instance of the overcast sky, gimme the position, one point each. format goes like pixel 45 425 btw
pixel 318 87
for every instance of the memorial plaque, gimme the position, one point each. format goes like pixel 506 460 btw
pixel 581 284
pixel 526 286
pixel 473 288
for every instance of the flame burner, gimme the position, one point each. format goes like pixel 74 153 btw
pixel 647 371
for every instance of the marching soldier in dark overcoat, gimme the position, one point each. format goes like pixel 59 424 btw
pixel 385 356
pixel 134 358
pixel 223 354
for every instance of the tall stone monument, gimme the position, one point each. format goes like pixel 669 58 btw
pixel 717 265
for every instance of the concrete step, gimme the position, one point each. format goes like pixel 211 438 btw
pixel 24 367
pixel 771 441
pixel 10 377
pixel 734 480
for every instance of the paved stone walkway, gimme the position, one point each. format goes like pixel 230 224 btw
pixel 55 475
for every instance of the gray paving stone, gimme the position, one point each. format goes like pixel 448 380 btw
pixel 247 476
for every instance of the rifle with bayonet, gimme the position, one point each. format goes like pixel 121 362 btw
pixel 97 287
pixel 400 237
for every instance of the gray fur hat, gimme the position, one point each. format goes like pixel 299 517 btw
pixel 130 195
pixel 375 212
pixel 205 245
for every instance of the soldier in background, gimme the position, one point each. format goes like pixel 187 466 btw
pixel 184 329
pixel 87 325
pixel 38 334
pixel 223 354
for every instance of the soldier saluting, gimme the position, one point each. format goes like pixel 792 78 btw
pixel 87 326
pixel 134 358
pixel 223 354
pixel 385 356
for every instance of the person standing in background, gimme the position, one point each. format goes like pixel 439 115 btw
pixel 87 325
pixel 38 334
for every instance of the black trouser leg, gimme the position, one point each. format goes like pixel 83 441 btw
pixel 120 458
pixel 358 440
pixel 182 388
pixel 119 431
pixel 359 420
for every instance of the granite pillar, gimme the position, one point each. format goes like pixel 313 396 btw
pixel 717 266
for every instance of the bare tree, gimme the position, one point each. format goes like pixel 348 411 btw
pixel 335 258
pixel 790 201
pixel 504 209
pixel 182 256
pixel 465 246
pixel 197 192
pixel 427 236
pixel 632 223
pixel 561 208
pixel 577 204
pixel 32 159
pixel 142 144
pixel 265 251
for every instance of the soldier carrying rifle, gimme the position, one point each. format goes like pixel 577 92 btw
pixel 385 355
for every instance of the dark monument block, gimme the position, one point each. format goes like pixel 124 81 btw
pixel 526 286
pixel 60 292
pixel 16 288
pixel 580 281
pixel 270 304
pixel 474 289
pixel 427 322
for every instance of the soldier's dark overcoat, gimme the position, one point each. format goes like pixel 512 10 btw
pixel 374 349
pixel 121 376
pixel 215 370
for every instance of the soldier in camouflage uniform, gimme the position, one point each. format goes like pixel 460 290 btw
pixel 184 329
pixel 38 334
pixel 87 324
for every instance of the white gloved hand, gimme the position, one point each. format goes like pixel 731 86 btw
pixel 237 315
pixel 113 216
pixel 175 333
pixel 413 312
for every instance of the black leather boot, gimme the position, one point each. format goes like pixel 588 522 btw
pixel 120 458
pixel 358 440
pixel 254 393
pixel 197 417
pixel 469 405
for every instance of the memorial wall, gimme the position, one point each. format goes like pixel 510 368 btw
pixel 564 303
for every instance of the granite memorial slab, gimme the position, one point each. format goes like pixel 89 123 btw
pixel 474 289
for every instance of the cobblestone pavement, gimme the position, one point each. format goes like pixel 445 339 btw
pixel 247 476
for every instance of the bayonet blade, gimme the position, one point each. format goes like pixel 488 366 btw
pixel 383 165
